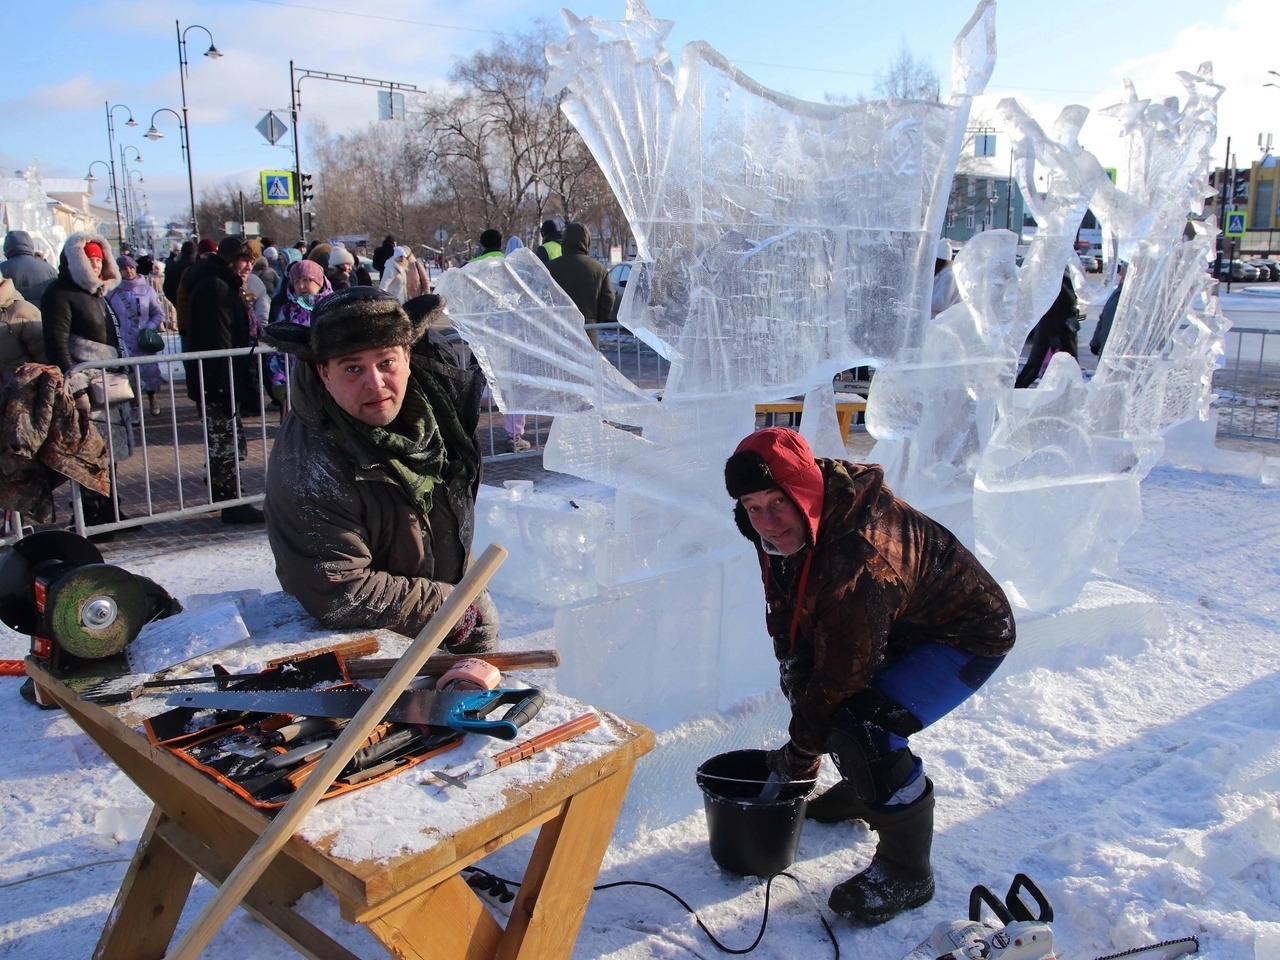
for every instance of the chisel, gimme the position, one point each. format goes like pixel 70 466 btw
pixel 458 776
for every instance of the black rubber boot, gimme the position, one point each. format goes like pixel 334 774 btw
pixel 242 513
pixel 836 805
pixel 900 877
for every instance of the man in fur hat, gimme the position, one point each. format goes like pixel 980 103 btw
pixel 882 622
pixel 372 482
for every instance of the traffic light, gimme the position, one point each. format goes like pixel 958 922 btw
pixel 306 191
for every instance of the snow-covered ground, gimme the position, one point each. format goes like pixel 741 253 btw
pixel 1136 780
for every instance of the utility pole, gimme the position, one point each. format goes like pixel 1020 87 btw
pixel 1222 215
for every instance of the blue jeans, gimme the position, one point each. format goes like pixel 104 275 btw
pixel 931 681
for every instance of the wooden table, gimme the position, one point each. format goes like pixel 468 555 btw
pixel 417 905
pixel 846 406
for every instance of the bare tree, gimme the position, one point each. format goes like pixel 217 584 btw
pixel 242 202
pixel 370 181
pixel 908 78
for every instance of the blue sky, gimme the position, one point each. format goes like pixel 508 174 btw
pixel 62 69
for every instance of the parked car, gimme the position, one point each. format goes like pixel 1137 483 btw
pixel 619 273
pixel 1089 263
pixel 1237 270
pixel 1272 268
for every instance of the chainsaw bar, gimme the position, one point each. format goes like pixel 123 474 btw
pixel 465 710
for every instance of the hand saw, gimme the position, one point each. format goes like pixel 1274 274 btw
pixel 466 710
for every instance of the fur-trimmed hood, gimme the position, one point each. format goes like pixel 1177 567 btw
pixel 73 264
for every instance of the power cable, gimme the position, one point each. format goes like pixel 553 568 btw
pixel 72 869
pixel 499 888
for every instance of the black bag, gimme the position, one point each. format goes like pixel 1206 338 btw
pixel 150 341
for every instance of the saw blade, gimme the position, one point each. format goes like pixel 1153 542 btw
pixel 465 710
pixel 95 611
pixel 19 566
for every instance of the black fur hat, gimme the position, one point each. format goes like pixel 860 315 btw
pixel 746 472
pixel 351 320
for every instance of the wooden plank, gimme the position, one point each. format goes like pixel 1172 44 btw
pixel 265 901
pixel 447 921
pixel 548 910
pixel 155 888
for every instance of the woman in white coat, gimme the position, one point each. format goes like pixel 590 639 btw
pixel 395 274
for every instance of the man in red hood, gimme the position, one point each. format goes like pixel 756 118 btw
pixel 882 622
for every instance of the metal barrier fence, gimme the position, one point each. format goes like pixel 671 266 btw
pixel 165 476
pixel 1248 385
pixel 161 463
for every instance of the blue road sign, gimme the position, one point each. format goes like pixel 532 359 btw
pixel 277 187
pixel 1235 224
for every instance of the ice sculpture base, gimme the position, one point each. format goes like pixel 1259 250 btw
pixel 1108 620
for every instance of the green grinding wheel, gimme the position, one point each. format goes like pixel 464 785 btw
pixel 95 611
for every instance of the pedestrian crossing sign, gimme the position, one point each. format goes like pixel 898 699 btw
pixel 277 187
pixel 1236 221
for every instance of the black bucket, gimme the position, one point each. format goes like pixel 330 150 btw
pixel 748 836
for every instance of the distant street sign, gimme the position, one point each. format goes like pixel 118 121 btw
pixel 442 235
pixel 272 127
pixel 277 187
pixel 1236 222
pixel 390 105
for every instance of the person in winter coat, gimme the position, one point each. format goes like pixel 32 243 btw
pixel 173 273
pixel 552 242
pixel 583 278
pixel 30 275
pixel 882 622
pixel 383 252
pixel 373 478
pixel 395 275
pixel 153 272
pixel 220 319
pixel 342 263
pixel 137 307
pixel 307 287
pixel 21 334
pixel 417 279
pixel 79 326
pixel 1103 330
pixel 1055 332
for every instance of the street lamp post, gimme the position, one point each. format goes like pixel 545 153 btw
pixel 213 54
pixel 184 141
pixel 991 215
pixel 111 155
pixel 296 76
pixel 124 176
pixel 91 179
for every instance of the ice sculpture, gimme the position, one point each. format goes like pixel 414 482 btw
pixel 26 207
pixel 783 241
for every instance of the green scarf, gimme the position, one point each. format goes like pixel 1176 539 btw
pixel 424 446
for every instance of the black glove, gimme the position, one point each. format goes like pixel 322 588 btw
pixel 477 629
pixel 791 763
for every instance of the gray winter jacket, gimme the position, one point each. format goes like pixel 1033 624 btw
pixel 29 273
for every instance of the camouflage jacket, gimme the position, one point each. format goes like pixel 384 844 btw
pixel 44 438
pixel 880 578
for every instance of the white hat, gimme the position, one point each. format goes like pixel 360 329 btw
pixel 943 251
pixel 340 255
pixel 399 252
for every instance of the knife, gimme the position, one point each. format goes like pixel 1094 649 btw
pixel 465 710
